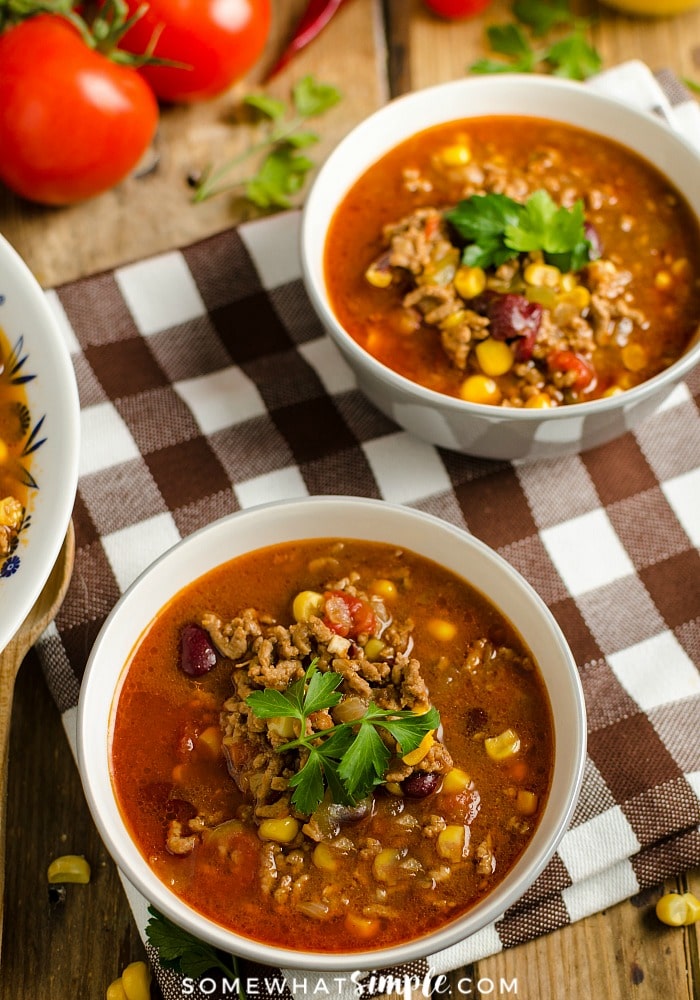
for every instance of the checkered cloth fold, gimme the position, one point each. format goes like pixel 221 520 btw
pixel 207 385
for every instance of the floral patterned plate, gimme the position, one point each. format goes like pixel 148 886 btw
pixel 39 362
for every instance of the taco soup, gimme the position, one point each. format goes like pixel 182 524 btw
pixel 517 262
pixel 331 745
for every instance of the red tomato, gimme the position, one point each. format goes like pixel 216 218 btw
pixel 347 615
pixel 216 41
pixel 454 9
pixel 72 123
pixel 568 361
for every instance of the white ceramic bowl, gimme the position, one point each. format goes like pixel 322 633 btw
pixel 40 355
pixel 489 431
pixel 317 518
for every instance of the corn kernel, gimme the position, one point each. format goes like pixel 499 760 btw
pixel 115 991
pixel 361 927
pixel 494 356
pixel 306 604
pixel 579 297
pixel 693 904
pixel 542 275
pixel 613 390
pixel 505 745
pixel 457 155
pixel 634 357
pixel 210 740
pixel 453 320
pixel 441 629
pixel 385 589
pixel 386 865
pixel 672 909
pixel 480 389
pixel 663 280
pixel 456 780
pixel 680 268
pixel 470 281
pixel 281 829
pixel 379 277
pixel 373 648
pixel 69 868
pixel 136 981
pixel 325 858
pixel 452 843
pixel 416 756
pixel 568 282
pixel 394 788
pixel 526 802
pixel 540 401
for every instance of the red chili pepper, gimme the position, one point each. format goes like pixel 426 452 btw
pixel 315 17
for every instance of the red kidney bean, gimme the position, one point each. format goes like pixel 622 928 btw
pixel 513 315
pixel 197 654
pixel 420 784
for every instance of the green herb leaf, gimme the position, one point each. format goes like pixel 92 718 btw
pixel 497 228
pixel 408 733
pixel 321 691
pixel 509 40
pixel 542 15
pixel 271 107
pixel 179 950
pixel 574 57
pixel 281 175
pixel 271 704
pixel 349 759
pixel 312 98
pixel 365 763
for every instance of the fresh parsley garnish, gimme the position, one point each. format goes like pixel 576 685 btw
pixel 350 758
pixel 497 229
pixel 282 170
pixel 528 47
pixel 179 950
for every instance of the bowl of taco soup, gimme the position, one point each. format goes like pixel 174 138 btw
pixel 331 733
pixel 509 264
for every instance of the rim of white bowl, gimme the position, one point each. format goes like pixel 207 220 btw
pixel 50 523
pixel 393 523
pixel 313 269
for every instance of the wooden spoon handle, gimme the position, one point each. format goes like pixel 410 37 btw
pixel 40 616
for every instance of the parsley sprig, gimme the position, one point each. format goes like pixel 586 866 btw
pixel 350 758
pixel 528 47
pixel 179 950
pixel 497 229
pixel 282 172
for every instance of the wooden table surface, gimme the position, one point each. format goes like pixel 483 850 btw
pixel 372 50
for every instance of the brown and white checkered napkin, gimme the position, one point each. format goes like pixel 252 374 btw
pixel 207 385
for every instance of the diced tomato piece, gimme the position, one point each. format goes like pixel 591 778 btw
pixel 347 615
pixel 569 361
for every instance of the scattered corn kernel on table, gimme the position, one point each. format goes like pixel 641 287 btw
pixel 371 50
